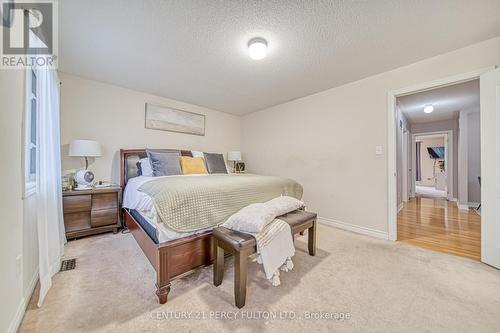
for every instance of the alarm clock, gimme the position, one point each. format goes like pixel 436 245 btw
pixel 239 167
pixel 84 179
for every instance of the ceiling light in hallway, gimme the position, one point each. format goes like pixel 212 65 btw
pixel 257 48
pixel 429 108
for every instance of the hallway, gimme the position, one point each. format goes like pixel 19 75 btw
pixel 438 225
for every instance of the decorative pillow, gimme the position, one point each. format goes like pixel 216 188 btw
pixel 215 163
pixel 197 153
pixel 192 165
pixel 144 167
pixel 164 163
pixel 252 218
pixel 284 204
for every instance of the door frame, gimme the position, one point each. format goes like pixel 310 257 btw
pixel 392 205
pixel 405 166
pixel 448 158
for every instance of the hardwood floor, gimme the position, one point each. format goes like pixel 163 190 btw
pixel 438 225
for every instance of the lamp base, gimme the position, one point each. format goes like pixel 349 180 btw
pixel 82 187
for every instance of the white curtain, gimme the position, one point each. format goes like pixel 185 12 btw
pixel 50 224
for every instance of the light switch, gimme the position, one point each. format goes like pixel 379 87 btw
pixel 379 150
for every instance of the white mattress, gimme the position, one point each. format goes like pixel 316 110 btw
pixel 143 204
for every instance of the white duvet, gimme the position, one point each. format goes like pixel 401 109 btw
pixel 134 199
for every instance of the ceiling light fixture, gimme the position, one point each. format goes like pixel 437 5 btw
pixel 257 48
pixel 429 108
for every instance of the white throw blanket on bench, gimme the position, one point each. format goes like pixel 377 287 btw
pixel 275 249
pixel 273 236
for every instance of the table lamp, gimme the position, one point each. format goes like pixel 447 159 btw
pixel 234 156
pixel 86 149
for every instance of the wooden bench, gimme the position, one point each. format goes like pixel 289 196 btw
pixel 242 245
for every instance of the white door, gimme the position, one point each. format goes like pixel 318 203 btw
pixel 490 168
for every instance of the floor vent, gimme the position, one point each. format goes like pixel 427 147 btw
pixel 67 265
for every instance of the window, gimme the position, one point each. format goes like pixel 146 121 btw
pixel 31 132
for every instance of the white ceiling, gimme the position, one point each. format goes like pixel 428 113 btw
pixel 195 51
pixel 447 101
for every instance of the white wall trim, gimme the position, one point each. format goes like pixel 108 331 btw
pixel 16 322
pixel 400 206
pixel 467 205
pixel 391 136
pixel 354 228
pixel 413 156
pixel 405 166
pixel 462 206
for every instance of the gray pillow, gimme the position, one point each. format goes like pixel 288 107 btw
pixel 215 163
pixel 164 163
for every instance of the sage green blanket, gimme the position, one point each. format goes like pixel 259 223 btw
pixel 190 203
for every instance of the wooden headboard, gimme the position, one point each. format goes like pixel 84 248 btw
pixel 129 159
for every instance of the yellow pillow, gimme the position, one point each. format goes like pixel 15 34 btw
pixel 192 165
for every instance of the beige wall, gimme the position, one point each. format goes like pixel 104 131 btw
pixel 19 238
pixel 30 245
pixel 427 163
pixel 11 198
pixel 327 140
pixel 114 116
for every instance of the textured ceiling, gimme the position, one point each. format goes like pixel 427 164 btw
pixel 447 101
pixel 195 51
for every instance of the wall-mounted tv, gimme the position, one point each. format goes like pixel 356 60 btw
pixel 436 153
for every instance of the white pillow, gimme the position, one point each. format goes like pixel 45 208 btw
pixel 284 204
pixel 252 218
pixel 197 153
pixel 146 167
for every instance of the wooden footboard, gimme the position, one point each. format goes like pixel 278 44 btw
pixel 172 259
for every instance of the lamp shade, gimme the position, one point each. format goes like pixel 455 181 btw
pixel 84 148
pixel 234 156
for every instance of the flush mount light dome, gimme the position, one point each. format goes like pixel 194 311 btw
pixel 429 108
pixel 257 48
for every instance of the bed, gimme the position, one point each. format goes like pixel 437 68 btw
pixel 175 250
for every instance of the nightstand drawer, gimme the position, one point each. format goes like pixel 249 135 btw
pixel 77 203
pixel 104 217
pixel 77 221
pixel 104 201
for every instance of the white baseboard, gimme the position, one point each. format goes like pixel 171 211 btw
pixel 14 325
pixel 354 228
pixel 462 206
pixel 401 205
pixel 467 205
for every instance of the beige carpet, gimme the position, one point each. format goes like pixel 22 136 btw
pixel 383 287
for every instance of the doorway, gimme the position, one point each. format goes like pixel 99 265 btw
pixel 433 165
pixel 433 210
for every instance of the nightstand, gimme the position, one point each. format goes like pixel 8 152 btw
pixel 93 211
